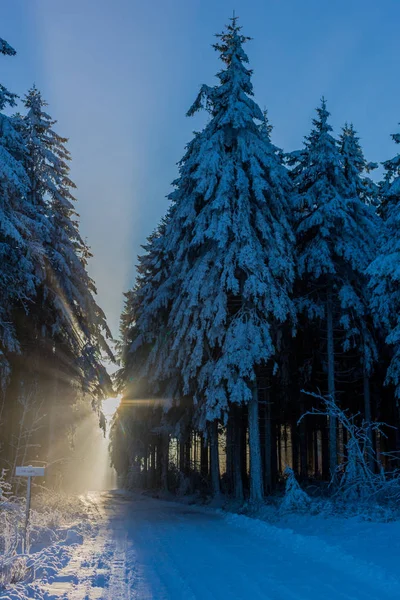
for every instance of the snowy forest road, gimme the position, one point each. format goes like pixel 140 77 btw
pixel 151 549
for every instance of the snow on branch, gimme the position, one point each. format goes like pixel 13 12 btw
pixel 5 48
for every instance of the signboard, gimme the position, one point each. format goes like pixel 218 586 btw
pixel 29 471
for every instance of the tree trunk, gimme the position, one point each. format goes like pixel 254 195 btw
pixel 268 447
pixel 204 458
pixel 367 416
pixel 230 451
pixel 309 452
pixel 345 442
pixel 215 479
pixel 316 454
pixel 295 446
pixel 325 449
pixel 181 456
pixel 274 453
pixel 285 442
pixel 164 461
pixel 145 470
pixel 256 484
pixel 303 445
pixel 331 385
pixel 188 447
pixel 279 445
pixel 52 403
pixel 237 454
pixel 244 447
pixel 153 475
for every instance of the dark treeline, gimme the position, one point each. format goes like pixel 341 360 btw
pixel 52 332
pixel 271 273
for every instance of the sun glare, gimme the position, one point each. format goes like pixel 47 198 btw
pixel 110 405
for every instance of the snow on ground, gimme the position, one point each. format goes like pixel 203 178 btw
pixel 378 544
pixel 148 549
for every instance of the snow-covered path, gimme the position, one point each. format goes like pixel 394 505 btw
pixel 150 549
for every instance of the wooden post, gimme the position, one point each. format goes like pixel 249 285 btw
pixel 28 472
pixel 28 510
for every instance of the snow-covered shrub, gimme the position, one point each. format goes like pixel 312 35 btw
pixel 51 518
pixel 60 508
pixel 53 513
pixel 11 530
pixel 5 490
pixel 295 499
pixel 10 519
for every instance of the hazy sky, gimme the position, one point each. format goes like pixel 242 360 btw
pixel 119 75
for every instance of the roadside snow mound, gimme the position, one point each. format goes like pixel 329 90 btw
pixel 319 551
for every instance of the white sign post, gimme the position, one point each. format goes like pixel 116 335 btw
pixel 28 472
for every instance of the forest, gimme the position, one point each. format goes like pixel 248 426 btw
pixel 261 336
pixel 245 424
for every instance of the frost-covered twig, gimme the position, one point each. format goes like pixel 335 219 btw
pixel 355 478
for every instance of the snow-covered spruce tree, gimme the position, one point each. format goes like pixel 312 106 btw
pixel 384 270
pixel 75 323
pixel 356 170
pixel 20 231
pixel 356 167
pixel 10 172
pixel 62 329
pixel 143 322
pixel 231 242
pixel 139 332
pixel 336 233
pixel 6 97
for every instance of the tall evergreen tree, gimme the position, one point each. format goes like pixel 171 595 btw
pixel 74 322
pixel 6 97
pixel 230 240
pixel 356 171
pixel 356 167
pixel 384 270
pixel 50 324
pixel 335 243
pixel 144 332
pixel 20 230
pixel 139 336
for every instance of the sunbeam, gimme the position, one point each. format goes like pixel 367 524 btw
pixel 109 406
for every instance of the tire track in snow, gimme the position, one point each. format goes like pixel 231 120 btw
pixel 189 554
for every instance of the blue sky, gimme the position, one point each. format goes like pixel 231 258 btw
pixel 120 75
